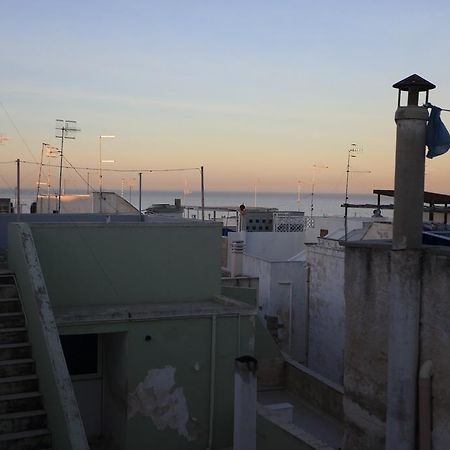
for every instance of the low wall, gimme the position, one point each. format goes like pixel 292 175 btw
pixel 272 433
pixel 55 384
pixel 316 390
pixel 6 219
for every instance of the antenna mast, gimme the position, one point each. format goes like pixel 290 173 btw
pixel 65 129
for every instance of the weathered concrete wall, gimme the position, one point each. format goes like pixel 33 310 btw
pixel 435 338
pixel 366 339
pixel 326 311
pixel 129 263
pixel 367 325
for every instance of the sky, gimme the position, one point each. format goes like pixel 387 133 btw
pixel 257 92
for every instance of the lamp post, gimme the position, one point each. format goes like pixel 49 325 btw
pixel 102 136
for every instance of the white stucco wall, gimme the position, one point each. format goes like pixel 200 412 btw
pixel 270 246
pixel 282 293
pixel 326 310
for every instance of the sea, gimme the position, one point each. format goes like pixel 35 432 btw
pixel 322 204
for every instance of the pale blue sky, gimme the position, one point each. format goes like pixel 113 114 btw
pixel 252 90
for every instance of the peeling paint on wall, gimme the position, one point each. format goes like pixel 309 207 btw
pixel 157 397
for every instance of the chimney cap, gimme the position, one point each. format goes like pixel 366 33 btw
pixel 414 82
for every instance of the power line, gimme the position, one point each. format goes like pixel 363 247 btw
pixel 183 169
pixel 18 131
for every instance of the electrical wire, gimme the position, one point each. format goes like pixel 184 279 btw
pixel 18 131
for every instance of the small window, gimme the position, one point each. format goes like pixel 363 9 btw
pixel 250 220
pixel 253 228
pixel 81 353
pixel 257 220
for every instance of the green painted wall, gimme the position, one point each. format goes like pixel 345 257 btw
pixel 184 344
pixel 95 264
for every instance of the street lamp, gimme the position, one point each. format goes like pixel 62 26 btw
pixel 103 136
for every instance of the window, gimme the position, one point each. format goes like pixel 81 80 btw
pixel 81 353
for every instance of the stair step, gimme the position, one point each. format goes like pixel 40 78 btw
pixel 22 421
pixel 8 290
pixel 10 305
pixel 24 401
pixel 12 367
pixel 17 350
pixel 13 335
pixel 12 320
pixel 19 384
pixel 6 277
pixel 30 440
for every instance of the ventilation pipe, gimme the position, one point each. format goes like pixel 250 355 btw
pixel 244 437
pixel 405 284
pixel 237 255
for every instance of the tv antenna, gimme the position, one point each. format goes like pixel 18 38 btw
pixel 351 153
pixel 3 138
pixel 65 129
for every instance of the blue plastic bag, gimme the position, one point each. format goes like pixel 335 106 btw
pixel 438 137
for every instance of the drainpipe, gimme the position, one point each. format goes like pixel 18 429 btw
pixel 425 374
pixel 289 283
pixel 212 384
pixel 308 294
pixel 244 435
pixel 406 271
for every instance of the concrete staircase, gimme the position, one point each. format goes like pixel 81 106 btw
pixel 23 421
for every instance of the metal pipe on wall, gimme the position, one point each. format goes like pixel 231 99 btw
pixel 425 410
pixel 212 385
pixel 202 177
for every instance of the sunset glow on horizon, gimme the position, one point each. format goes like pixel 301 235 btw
pixel 257 93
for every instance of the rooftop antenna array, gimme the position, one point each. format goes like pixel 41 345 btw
pixel 65 129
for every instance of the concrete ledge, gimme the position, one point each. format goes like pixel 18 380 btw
pixel 218 306
pixel 315 389
pixel 272 432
